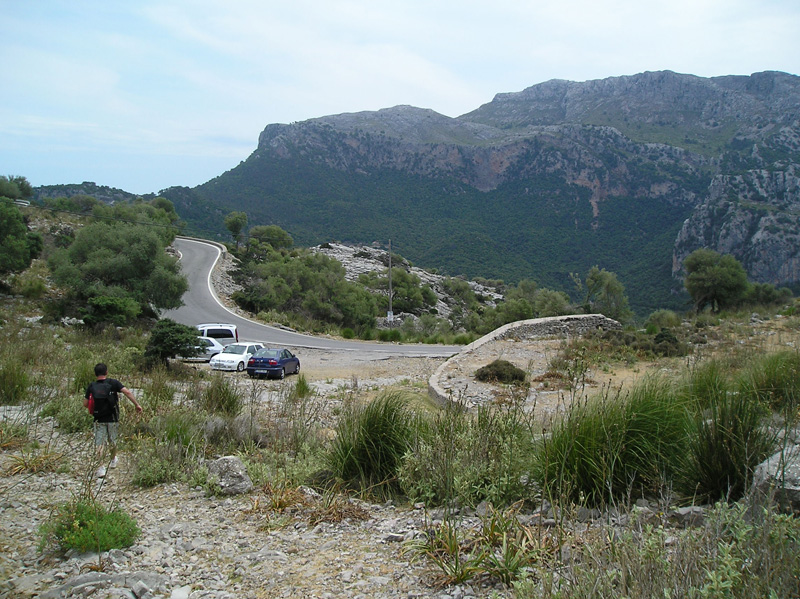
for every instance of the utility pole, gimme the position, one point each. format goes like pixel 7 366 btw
pixel 390 314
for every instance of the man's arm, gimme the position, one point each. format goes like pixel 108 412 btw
pixel 129 394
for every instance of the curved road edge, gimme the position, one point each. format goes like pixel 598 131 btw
pixel 202 304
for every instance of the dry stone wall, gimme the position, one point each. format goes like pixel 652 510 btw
pixel 555 327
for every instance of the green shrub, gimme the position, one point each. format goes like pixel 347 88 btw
pixel 85 525
pixel 222 396
pixel 348 333
pixel 500 371
pixel 608 448
pixel 389 335
pixel 486 455
pixel 371 440
pixel 69 413
pixel 156 463
pixel 663 319
pixel 170 339
pixel 14 382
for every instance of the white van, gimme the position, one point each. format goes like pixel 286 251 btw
pixel 224 333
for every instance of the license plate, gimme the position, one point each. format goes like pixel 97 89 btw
pixel 261 371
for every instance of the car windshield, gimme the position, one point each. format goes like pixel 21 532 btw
pixel 235 349
pixel 268 353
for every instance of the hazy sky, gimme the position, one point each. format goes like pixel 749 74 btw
pixel 146 94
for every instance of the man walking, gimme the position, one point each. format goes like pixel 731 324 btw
pixel 103 396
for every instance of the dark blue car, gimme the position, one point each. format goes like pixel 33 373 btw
pixel 275 363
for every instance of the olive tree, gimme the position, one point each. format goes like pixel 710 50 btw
pixel 714 280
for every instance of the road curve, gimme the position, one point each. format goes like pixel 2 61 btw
pixel 201 304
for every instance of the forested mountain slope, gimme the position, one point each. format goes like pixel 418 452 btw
pixel 627 173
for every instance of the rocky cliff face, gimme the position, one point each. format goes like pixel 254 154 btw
pixel 628 173
pixel 756 217
pixel 709 144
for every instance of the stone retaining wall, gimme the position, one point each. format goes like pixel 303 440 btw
pixel 535 328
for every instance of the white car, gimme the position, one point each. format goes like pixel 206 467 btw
pixel 234 356
pixel 208 348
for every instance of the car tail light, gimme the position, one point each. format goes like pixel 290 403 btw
pixel 273 362
pixel 250 362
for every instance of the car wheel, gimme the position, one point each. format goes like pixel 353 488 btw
pixel 297 368
pixel 240 366
pixel 282 374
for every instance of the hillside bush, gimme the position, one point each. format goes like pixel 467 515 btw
pixel 500 371
pixel 663 319
pixel 85 525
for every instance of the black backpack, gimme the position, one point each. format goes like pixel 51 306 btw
pixel 105 400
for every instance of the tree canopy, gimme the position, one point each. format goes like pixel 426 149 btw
pixel 605 295
pixel 18 246
pixel 115 271
pixel 714 280
pixel 235 222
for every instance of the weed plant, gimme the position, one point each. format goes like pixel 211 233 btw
pixel 14 381
pixel 69 413
pixel 85 525
pixel 12 435
pixel 158 462
pixel 733 556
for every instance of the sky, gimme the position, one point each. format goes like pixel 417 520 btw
pixel 147 94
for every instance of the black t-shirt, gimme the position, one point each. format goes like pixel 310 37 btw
pixel 116 387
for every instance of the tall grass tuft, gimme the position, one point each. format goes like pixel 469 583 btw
pixel 14 382
pixel 371 440
pixel 471 457
pixel 609 448
pixel 773 379
pixel 222 396
pixel 726 442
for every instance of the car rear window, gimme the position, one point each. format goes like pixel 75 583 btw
pixel 220 333
pixel 267 353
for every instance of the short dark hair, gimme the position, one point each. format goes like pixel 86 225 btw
pixel 100 369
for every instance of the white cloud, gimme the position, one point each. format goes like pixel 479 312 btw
pixel 183 80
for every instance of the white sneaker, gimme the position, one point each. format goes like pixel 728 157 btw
pixel 101 472
pixel 114 462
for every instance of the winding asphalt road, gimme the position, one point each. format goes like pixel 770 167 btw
pixel 201 304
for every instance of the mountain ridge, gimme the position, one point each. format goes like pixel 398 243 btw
pixel 542 183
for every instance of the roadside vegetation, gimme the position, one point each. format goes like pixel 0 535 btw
pixel 692 434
